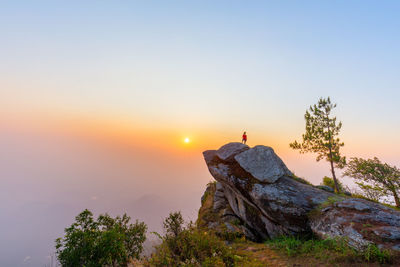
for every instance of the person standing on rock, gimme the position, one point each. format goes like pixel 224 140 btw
pixel 244 138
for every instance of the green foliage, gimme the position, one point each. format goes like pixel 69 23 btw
pixel 294 246
pixel 328 202
pixel 362 196
pixel 210 187
pixel 328 249
pixel 371 192
pixel 105 241
pixel 173 224
pixel 373 253
pixel 190 247
pixel 331 183
pixel 375 178
pixel 321 136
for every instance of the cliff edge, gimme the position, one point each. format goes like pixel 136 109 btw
pixel 257 196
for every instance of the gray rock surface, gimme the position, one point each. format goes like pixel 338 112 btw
pixel 219 197
pixel 326 188
pixel 258 189
pixel 209 155
pixel 228 151
pixel 263 164
pixel 361 221
pixel 216 213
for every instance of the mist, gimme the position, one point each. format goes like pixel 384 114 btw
pixel 48 178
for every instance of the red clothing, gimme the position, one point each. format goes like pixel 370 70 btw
pixel 244 137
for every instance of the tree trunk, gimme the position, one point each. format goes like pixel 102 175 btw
pixel 333 171
pixel 334 178
pixel 331 158
pixel 396 198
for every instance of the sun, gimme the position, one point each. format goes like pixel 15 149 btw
pixel 187 140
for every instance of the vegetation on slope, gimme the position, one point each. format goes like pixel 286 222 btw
pixel 106 241
pixel 199 246
pixel 330 252
pixel 195 247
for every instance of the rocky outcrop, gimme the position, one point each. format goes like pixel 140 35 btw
pixel 215 213
pixel 258 196
pixel 262 163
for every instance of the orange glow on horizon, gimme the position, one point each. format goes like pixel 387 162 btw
pixel 133 133
pixel 175 140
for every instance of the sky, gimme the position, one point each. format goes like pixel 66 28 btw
pixel 96 98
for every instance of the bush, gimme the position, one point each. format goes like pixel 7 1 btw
pixel 107 241
pixel 173 224
pixel 190 246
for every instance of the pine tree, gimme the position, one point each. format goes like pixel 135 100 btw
pixel 321 136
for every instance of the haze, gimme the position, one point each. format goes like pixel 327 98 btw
pixel 97 98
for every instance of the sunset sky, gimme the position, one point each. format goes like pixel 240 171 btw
pixel 97 97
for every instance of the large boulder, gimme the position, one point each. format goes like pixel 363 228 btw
pixel 362 222
pixel 262 163
pixel 256 187
pixel 228 151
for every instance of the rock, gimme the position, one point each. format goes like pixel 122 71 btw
pixel 257 196
pixel 228 151
pixel 215 213
pixel 362 222
pixel 326 188
pixel 263 164
pixel 219 198
pixel 330 189
pixel 353 204
pixel 347 193
pixel 209 155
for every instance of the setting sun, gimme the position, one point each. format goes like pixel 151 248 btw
pixel 172 112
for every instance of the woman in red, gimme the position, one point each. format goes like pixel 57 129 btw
pixel 244 138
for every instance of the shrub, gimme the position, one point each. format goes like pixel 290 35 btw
pixel 173 224
pixel 190 247
pixel 107 241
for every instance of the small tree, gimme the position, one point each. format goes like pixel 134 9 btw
pixel 370 192
pixel 373 175
pixel 107 241
pixel 173 224
pixel 321 136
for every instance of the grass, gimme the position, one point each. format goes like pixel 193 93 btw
pixel 198 248
pixel 328 202
pixel 210 190
pixel 294 246
pixel 328 250
pixel 300 180
pixel 206 212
